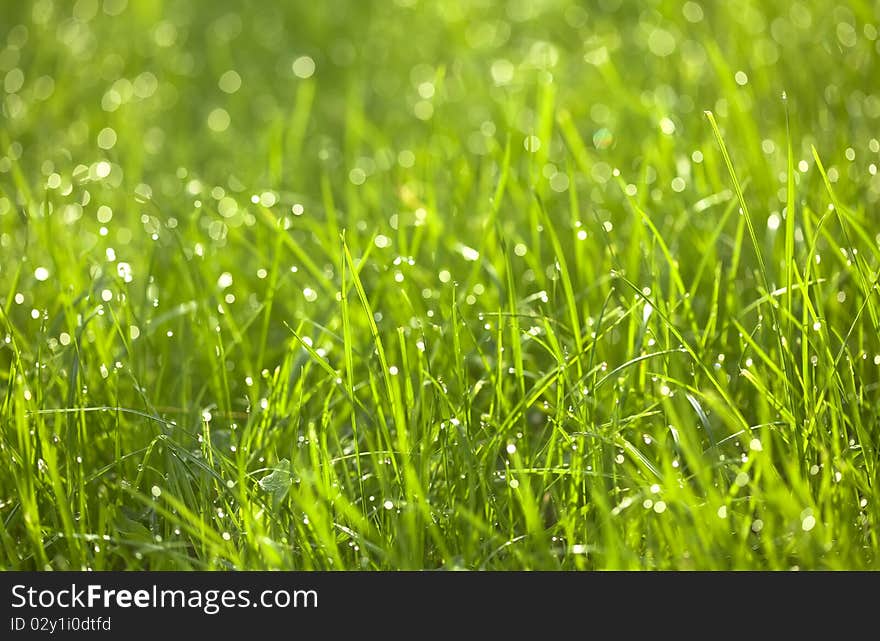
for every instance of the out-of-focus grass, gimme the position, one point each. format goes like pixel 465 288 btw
pixel 439 285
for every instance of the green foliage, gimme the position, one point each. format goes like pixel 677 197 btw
pixel 406 285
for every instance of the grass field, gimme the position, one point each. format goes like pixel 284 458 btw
pixel 453 285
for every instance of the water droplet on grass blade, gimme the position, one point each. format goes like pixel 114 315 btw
pixel 124 271
pixel 303 67
pixel 469 253
pixel 532 144
pixel 218 120
pixel 230 82
pixel 603 138
pixel 661 42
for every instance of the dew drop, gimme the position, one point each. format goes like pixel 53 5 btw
pixel 303 67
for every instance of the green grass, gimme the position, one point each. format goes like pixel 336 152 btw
pixel 460 285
